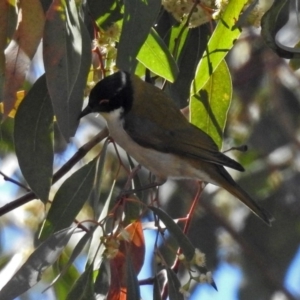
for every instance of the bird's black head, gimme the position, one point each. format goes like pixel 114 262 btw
pixel 111 93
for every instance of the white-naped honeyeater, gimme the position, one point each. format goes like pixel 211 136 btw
pixel 146 123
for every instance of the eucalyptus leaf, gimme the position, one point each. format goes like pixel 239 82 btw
pixel 133 288
pixel 31 271
pixel 139 17
pixel 156 56
pixel 62 52
pixel 218 46
pixel 174 286
pixel 33 138
pixel 83 288
pixel 209 108
pixel 105 12
pixel 69 199
pixel 272 21
pixel 185 244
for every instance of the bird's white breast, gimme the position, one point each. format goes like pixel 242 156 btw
pixel 163 165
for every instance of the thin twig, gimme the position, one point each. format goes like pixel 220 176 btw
pixel 7 178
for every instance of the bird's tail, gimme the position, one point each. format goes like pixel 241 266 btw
pixel 233 188
pixel 243 196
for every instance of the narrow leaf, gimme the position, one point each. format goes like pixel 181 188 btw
pixel 77 94
pixel 77 250
pixel 189 57
pixel 22 48
pixel 139 17
pixel 69 199
pixel 132 284
pixel 187 248
pixel 174 286
pixel 272 21
pixel 156 56
pixel 95 253
pixel 218 46
pixel 209 108
pixel 83 288
pixel 62 51
pixel 105 12
pixel 33 138
pixel 30 273
pixel 156 289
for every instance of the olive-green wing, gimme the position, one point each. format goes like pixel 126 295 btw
pixel 175 136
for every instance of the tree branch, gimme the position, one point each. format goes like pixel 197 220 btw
pixel 82 151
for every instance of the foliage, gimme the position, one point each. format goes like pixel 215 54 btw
pixel 181 46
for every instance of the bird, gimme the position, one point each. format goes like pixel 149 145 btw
pixel 147 124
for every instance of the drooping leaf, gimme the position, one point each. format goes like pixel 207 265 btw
pixel 174 286
pixel 272 21
pixel 185 244
pixel 132 284
pixel 209 108
pixel 77 250
pixel 77 94
pixel 156 289
pixel 105 12
pixel 95 253
pixel 191 52
pixel 83 288
pixel 22 48
pixel 33 138
pixel 156 56
pixel 139 17
pixel 95 196
pixel 62 52
pixel 31 271
pixel 69 199
pixel 218 46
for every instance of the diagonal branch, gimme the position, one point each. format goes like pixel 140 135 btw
pixel 82 151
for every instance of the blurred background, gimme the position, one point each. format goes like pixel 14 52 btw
pixel 248 259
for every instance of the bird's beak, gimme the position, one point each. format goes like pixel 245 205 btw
pixel 85 112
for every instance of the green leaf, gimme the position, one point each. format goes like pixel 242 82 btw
pixel 189 57
pixel 69 199
pixel 156 289
pixel 209 108
pixel 139 17
pixel 33 138
pixel 174 286
pixel 95 196
pixel 83 288
pixel 132 284
pixel 62 51
pixel 77 250
pixel 31 271
pixel 178 35
pixel 77 94
pixel 220 43
pixel 105 12
pixel 185 244
pixel 156 56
